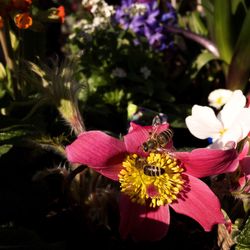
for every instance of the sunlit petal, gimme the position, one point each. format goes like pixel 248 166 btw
pixel 206 162
pixel 232 108
pixel 203 122
pixel 102 152
pixel 201 204
pixel 219 97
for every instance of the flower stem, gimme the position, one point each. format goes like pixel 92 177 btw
pixel 209 45
pixel 5 42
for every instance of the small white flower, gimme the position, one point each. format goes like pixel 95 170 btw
pixel 219 97
pixel 146 72
pixel 101 15
pixel 232 124
pixel 119 72
pixel 98 21
pixel 137 9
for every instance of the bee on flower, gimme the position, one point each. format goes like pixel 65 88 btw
pixel 152 182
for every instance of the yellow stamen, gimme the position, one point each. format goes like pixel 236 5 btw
pixel 155 180
pixel 222 131
pixel 219 100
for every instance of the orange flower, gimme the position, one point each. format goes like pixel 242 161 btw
pixel 23 20
pixel 61 13
pixel 1 22
pixel 21 4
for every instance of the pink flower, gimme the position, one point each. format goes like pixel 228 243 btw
pixel 153 182
pixel 243 181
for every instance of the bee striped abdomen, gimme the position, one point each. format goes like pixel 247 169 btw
pixel 152 170
pixel 164 137
pixel 157 142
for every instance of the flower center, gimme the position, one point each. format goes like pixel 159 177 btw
pixel 219 100
pixel 156 179
pixel 222 131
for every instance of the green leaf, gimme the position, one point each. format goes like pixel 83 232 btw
pixel 196 24
pixel 4 149
pixel 208 7
pixel 96 80
pixel 243 240
pixel 239 68
pixel 114 97
pixel 202 59
pixel 12 134
pixel 223 29
pixel 235 4
pixel 3 73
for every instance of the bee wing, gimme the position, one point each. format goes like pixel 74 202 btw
pixel 155 125
pixel 156 121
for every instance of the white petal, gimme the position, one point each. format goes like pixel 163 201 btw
pixel 238 131
pixel 244 118
pixel 234 134
pixel 242 123
pixel 203 122
pixel 220 144
pixel 219 97
pixel 232 109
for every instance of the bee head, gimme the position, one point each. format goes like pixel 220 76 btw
pixel 145 146
pixel 149 145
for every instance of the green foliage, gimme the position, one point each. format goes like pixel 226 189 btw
pixel 119 72
pixel 202 60
pixel 223 31
pixel 240 66
pixel 227 24
pixel 243 240
pixel 4 149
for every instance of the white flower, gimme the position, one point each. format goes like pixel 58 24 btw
pixel 232 123
pixel 119 72
pixel 137 9
pixel 101 15
pixel 146 72
pixel 219 97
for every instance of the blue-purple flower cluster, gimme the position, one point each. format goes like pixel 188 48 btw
pixel 148 19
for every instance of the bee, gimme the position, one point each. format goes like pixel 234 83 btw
pixel 148 169
pixel 157 141
pixel 152 170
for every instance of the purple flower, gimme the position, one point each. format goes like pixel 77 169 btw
pixel 147 19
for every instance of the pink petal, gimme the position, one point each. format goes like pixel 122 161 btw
pixel 244 151
pixel 100 151
pixel 206 162
pixel 134 126
pixel 245 166
pixel 138 135
pixel 142 222
pixel 200 203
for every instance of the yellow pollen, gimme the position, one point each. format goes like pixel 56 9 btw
pixel 222 131
pixel 155 180
pixel 219 100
